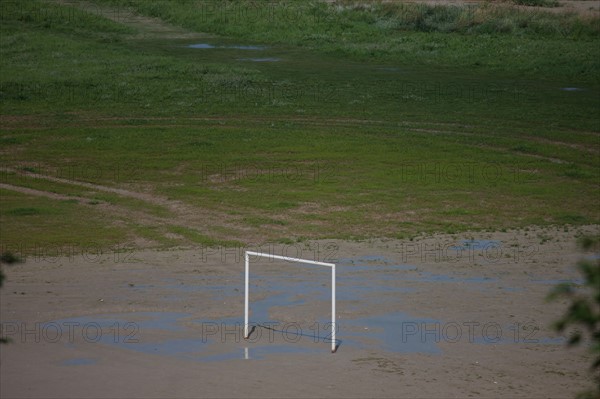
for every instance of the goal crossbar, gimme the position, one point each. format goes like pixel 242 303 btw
pixel 289 259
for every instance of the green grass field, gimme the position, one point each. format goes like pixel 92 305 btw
pixel 384 120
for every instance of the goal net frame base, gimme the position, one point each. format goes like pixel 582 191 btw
pixel 297 260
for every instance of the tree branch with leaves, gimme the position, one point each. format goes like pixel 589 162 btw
pixel 582 317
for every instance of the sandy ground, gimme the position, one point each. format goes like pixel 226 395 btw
pixel 442 316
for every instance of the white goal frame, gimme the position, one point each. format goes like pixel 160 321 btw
pixel 312 262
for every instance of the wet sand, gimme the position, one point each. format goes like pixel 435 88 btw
pixel 443 316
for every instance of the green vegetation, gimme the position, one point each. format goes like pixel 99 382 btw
pixel 380 120
pixel 582 318
pixel 537 3
pixel 36 225
pixel 486 36
pixel 8 258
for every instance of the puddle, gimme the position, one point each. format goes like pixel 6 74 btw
pixel 292 333
pixel 478 244
pixel 371 263
pixel 267 59
pixel 167 321
pixel 395 332
pixel 132 331
pixel 222 289
pixel 79 361
pixel 299 295
pixel 365 260
pixel 571 89
pixel 261 352
pixel 521 340
pixel 486 251
pixel 233 46
pixel 202 46
pixel 402 333
pixel 361 292
pixel 508 336
pixel 264 351
pixel 259 310
pixel 445 278
pixel 351 279
pixel 186 348
pixel 287 290
pixel 138 332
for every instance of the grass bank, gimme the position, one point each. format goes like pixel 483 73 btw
pixel 353 123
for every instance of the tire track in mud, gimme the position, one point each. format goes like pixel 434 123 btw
pixel 437 128
pixel 181 214
pixel 227 121
pixel 114 210
pixel 145 26
pixel 39 193
pixel 150 198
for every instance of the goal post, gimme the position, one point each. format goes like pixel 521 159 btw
pixel 297 260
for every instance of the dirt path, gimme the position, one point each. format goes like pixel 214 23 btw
pixel 38 193
pixel 180 214
pixel 150 198
pixel 146 27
